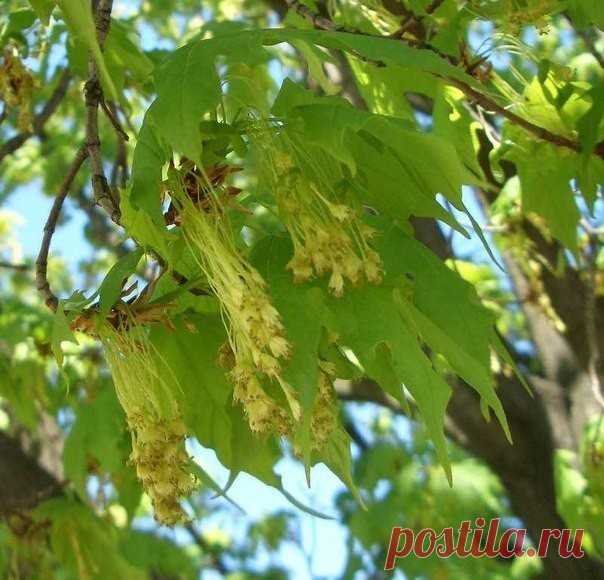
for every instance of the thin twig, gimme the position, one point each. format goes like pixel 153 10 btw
pixel 313 18
pixel 540 132
pixel 215 560
pixel 11 266
pixel 414 21
pixel 119 171
pixel 584 34
pixel 41 118
pixel 93 93
pixel 49 229
pixel 110 114
pixel 355 434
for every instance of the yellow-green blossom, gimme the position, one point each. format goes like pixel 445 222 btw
pixel 16 88
pixel 328 234
pixel 256 338
pixel 146 389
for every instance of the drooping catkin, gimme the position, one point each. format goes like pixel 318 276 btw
pixel 146 389
pixel 513 15
pixel 326 228
pixel 256 336
pixel 16 87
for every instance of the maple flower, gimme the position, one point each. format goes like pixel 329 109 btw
pixel 264 414
pixel 327 231
pixel 16 88
pixel 516 14
pixel 256 335
pixel 146 388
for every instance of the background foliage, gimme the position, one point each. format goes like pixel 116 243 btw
pixel 361 237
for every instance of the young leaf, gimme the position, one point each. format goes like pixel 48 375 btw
pixel 191 351
pixel 111 287
pixel 97 434
pixel 85 544
pixel 78 17
pixel 43 9
pixel 60 332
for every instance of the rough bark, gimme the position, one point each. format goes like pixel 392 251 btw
pixel 25 483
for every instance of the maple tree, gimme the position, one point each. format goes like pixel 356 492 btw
pixel 278 193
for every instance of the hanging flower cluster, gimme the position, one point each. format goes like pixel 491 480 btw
pixel 326 229
pixel 264 414
pixel 16 88
pixel 514 15
pixel 256 337
pixel 146 389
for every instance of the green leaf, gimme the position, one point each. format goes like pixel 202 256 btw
pixel 150 154
pixel 587 12
pixel 123 53
pixel 60 332
pixel 384 88
pixel 296 503
pixel 336 455
pixel 85 544
pixel 463 334
pixel 204 477
pixel 589 125
pixel 314 59
pixel 397 169
pixel 372 48
pixel 435 287
pixel 250 453
pixel 546 188
pixel 158 556
pixel 23 385
pixel 112 285
pixel 191 351
pixel 17 22
pixel 367 317
pixel 78 17
pixel 473 371
pixel 302 313
pixel 43 9
pixel 395 189
pixel 97 434
pixel 188 84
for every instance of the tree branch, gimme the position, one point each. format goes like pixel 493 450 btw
pixel 49 229
pixel 585 35
pixel 93 94
pixel 24 483
pixel 215 560
pixel 11 266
